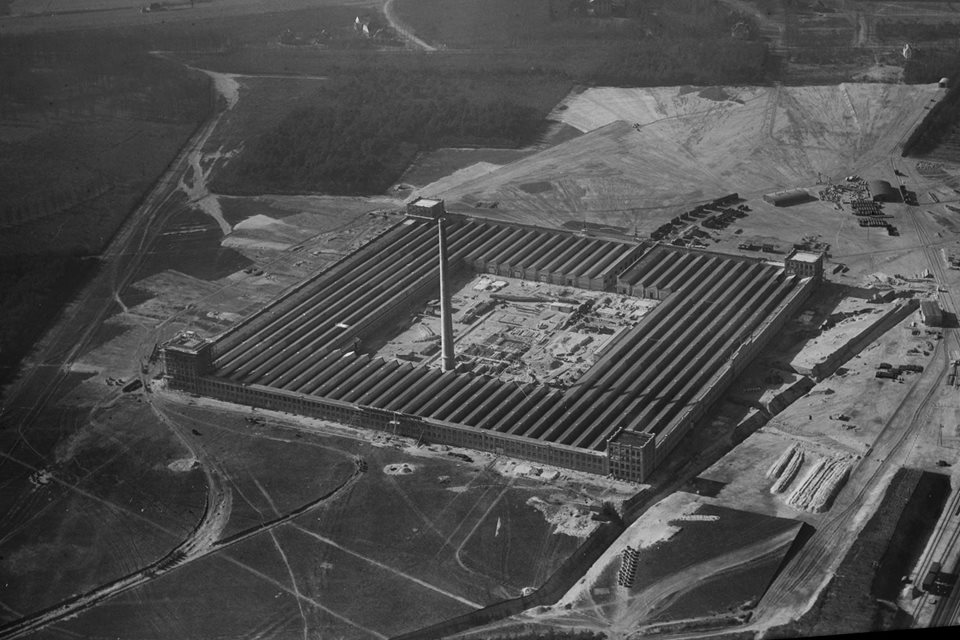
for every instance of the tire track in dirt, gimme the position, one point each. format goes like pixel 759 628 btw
pixel 200 543
pixel 283 554
pixel 388 568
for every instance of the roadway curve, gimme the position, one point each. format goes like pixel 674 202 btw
pixel 43 383
pixel 199 544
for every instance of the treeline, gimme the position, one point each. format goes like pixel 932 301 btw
pixel 902 31
pixel 939 123
pixel 84 73
pixel 365 129
pixel 649 63
pixel 103 118
pixel 929 65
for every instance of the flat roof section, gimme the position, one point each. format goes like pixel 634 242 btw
pixel 805 256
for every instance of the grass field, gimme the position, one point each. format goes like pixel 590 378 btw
pixel 687 568
pixel 111 506
pixel 395 553
pixel 503 23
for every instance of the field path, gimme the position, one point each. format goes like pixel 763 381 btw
pixel 201 543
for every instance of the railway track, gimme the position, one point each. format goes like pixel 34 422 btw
pixel 937 550
pixel 833 539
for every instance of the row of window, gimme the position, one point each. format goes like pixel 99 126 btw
pixel 439 433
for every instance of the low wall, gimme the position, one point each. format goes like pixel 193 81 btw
pixel 777 402
pixel 859 342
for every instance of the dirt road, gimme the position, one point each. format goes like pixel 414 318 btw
pixel 797 587
pixel 395 23
pixel 43 383
pixel 199 544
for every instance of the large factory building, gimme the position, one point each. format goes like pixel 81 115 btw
pixel 304 352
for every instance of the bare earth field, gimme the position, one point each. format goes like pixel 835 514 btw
pixel 679 574
pixel 693 145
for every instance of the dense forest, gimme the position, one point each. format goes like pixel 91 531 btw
pixel 929 65
pixel 361 142
pixel 939 123
pixel 902 31
pixel 362 139
pixel 89 122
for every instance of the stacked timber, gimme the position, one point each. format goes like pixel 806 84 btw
pixel 821 485
pixel 629 558
pixel 785 468
pixel 789 472
pixel 807 484
pixel 780 463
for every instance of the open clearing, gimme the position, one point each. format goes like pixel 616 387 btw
pixel 28 16
pixel 678 573
pixel 694 145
